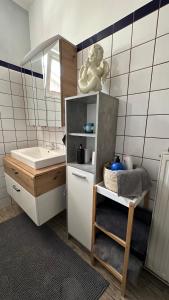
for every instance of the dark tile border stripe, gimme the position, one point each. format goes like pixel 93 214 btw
pixel 136 15
pixel 19 69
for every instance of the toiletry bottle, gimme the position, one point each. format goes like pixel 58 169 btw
pixel 117 165
pixel 80 155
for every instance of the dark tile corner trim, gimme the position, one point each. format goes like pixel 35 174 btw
pixel 19 69
pixel 124 22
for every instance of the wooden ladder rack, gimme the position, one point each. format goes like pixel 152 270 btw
pixel 131 204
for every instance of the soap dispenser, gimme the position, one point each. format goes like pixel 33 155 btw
pixel 80 155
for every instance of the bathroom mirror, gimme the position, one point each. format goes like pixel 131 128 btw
pixel 49 76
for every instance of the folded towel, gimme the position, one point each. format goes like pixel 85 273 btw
pixel 132 183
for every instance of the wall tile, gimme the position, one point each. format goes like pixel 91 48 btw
pixel 9 136
pixel 21 135
pixel 10 146
pixel 15 76
pixel 159 102
pixel 158 126
pixel 133 146
pixel 5 87
pixel 122 39
pixel 31 135
pixel 119 144
pixel 6 112
pixel 139 81
pixel 106 43
pixel 144 29
pixel 137 104
pixel 160 77
pixel 85 54
pixel 153 190
pixel 1 137
pixel 4 73
pixel 22 144
pixel 135 125
pixel 18 101
pixel 79 59
pixel 154 147
pixel 142 56
pixel 119 85
pixel 40 94
pixel 28 79
pixel 122 106
pixel 19 113
pixel 161 50
pixel 5 99
pixel 2 150
pixel 163 24
pixel 136 161
pixel 105 87
pixel 16 89
pixel 8 124
pixel 120 63
pixel 120 125
pixel 20 124
pixel 152 166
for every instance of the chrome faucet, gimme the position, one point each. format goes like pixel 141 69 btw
pixel 52 146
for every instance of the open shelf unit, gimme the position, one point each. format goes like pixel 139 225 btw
pixel 100 109
pixel 125 240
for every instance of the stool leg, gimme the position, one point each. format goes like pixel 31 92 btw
pixel 127 248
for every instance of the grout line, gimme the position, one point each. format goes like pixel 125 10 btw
pixel 128 83
pixel 151 80
pixel 12 108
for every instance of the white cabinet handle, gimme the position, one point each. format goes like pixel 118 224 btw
pixel 79 175
pixel 15 188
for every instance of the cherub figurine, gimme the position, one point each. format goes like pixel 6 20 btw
pixel 93 71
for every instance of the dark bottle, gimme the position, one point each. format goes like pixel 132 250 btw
pixel 80 155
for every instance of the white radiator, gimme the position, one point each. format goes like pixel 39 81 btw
pixel 158 250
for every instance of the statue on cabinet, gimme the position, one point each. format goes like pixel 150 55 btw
pixel 94 71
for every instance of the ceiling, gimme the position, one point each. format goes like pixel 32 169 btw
pixel 24 3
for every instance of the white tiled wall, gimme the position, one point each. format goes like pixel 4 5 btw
pixel 140 80
pixel 14 133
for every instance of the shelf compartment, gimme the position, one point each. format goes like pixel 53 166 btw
pixel 109 268
pixel 91 135
pixel 101 189
pixel 111 235
pixel 112 255
pixel 112 218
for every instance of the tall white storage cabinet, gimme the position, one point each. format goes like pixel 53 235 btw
pixel 100 109
pixel 158 250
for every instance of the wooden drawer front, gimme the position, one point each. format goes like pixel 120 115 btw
pixel 20 176
pixel 51 180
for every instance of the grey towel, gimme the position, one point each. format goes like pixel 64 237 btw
pixel 131 183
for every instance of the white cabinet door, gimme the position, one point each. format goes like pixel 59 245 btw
pixel 158 250
pixel 80 195
pixel 23 198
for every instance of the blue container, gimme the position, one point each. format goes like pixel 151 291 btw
pixel 88 127
pixel 117 165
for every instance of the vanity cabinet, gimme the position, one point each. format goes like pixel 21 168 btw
pixel 80 190
pixel 100 109
pixel 40 193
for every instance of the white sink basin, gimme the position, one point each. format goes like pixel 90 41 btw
pixel 38 157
